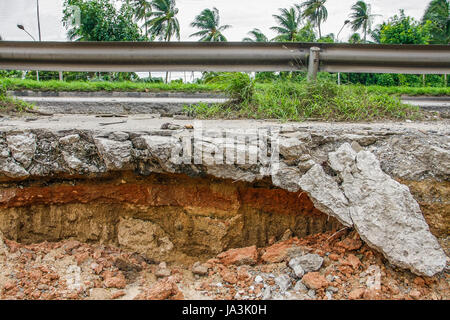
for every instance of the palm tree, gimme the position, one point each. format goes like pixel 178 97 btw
pixel 316 12
pixel 208 21
pixel 438 13
pixel 142 11
pixel 289 22
pixel 256 36
pixel 361 17
pixel 163 23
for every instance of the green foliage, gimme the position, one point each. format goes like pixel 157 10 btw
pixel 164 23
pixel 11 105
pixel 53 85
pixel 362 18
pixel 405 30
pixel 256 35
pixel 322 100
pixel 238 86
pixel 438 12
pixel 289 22
pixel 100 21
pixel 208 21
pixel 316 12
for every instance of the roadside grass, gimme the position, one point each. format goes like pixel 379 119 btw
pixel 55 85
pixel 410 91
pixel 322 100
pixel 9 105
pixel 217 85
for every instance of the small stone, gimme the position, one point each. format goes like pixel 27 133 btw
pixel 332 289
pixel 330 278
pixel 312 294
pixel 356 294
pixel 284 282
pixel 314 280
pixel 329 295
pixel 112 280
pixel 350 244
pixel 162 270
pixel 259 279
pixel 308 262
pixel 298 271
pixel 267 294
pixel 240 256
pixel 118 294
pixel 199 269
pixel 300 287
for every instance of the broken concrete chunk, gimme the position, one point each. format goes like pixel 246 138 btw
pixel 70 139
pixel 325 194
pixel 11 169
pixel 386 215
pixel 115 154
pixel 22 147
pixel 308 262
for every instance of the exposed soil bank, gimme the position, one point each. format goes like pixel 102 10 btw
pixel 170 217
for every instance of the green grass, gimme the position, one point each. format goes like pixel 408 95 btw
pixel 54 85
pixel 410 91
pixel 322 100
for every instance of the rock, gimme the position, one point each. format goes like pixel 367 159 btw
pixel 314 280
pixel 284 282
pixel 350 244
pixel 266 294
pixel 11 169
pixel 308 262
pixel 259 279
pixel 382 210
pixel 162 270
pixel 171 126
pixel 162 290
pixel 22 147
pixel 228 276
pixel 115 154
pixel 70 139
pixel 240 256
pixel 312 294
pixel 114 280
pixel 291 148
pixel 390 219
pixel 200 269
pixel 298 270
pixel 325 194
pixel 353 261
pixel 332 289
pixel 356 294
pixel 300 287
pixel 278 252
pixel 329 295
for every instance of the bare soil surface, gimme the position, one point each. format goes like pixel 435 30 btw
pixel 74 270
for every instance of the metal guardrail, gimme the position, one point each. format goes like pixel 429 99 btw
pixel 224 56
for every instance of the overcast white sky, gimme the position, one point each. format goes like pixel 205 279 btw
pixel 243 15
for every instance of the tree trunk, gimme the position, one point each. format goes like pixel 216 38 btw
pixel 320 32
pixel 167 72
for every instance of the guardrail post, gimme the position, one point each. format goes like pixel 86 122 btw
pixel 313 64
